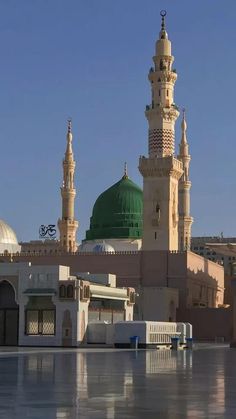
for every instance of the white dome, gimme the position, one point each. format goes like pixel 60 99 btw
pixel 103 247
pixel 8 239
pixel 7 235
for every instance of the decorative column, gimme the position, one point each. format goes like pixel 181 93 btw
pixel 185 220
pixel 67 224
pixel 161 171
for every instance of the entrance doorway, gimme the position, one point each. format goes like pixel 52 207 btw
pixel 9 312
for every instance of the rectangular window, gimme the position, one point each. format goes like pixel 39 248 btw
pixel 40 322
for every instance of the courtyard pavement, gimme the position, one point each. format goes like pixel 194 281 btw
pixel 109 384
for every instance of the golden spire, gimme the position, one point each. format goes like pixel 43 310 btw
pixel 163 33
pixel 125 176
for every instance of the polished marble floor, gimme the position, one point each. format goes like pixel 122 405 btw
pixel 111 384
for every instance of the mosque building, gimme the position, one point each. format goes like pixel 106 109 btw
pixel 143 237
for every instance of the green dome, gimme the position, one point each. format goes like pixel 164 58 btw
pixel 118 212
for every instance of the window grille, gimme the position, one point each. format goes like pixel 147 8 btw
pixel 40 322
pixel 32 322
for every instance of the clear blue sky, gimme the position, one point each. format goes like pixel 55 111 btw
pixel 89 59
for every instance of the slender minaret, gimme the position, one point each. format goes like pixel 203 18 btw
pixel 185 220
pixel 67 224
pixel 161 170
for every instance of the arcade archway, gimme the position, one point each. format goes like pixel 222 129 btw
pixel 9 313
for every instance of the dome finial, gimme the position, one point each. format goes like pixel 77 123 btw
pixel 125 171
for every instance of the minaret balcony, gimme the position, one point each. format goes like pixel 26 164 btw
pixel 67 192
pixel 184 184
pixel 160 166
pixel 186 221
pixel 163 60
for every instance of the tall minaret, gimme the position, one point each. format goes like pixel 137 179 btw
pixel 67 224
pixel 161 171
pixel 185 220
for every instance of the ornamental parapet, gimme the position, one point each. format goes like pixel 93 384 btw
pixel 61 252
pixel 165 76
pixel 160 167
pixel 170 113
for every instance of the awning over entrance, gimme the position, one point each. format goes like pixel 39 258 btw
pixel 40 291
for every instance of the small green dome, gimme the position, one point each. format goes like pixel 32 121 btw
pixel 118 212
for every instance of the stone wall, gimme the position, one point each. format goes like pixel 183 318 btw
pixel 208 323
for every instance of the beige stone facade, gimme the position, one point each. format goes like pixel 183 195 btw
pixel 199 282
pixel 160 198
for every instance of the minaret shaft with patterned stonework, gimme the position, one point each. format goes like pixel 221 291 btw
pixel 161 170
pixel 67 224
pixel 185 220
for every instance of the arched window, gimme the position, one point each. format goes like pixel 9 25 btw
pixel 70 291
pixel 62 291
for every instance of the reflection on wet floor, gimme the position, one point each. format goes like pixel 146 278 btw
pixel 118 384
